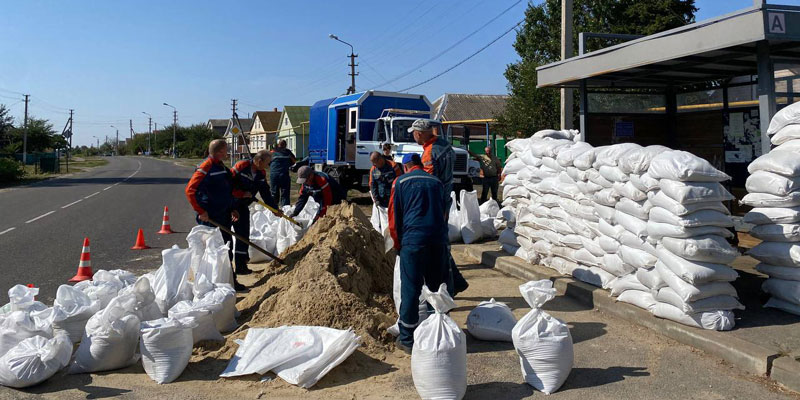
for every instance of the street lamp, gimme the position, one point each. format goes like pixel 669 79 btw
pixel 174 126
pixel 352 88
pixel 116 143
pixel 98 143
pixel 149 131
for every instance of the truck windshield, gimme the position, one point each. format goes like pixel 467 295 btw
pixel 400 132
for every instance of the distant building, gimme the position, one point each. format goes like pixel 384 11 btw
pixel 294 129
pixel 265 124
pixel 470 119
pixel 219 126
pixel 235 146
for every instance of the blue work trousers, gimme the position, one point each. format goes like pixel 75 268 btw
pixel 279 187
pixel 419 264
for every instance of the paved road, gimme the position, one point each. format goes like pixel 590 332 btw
pixel 42 226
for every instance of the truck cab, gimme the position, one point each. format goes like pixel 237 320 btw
pixel 346 129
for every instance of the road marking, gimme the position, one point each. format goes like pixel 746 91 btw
pixel 39 217
pixel 93 194
pixel 8 230
pixel 108 188
pixel 74 202
pixel 115 184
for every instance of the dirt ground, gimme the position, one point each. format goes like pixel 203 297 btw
pixel 613 360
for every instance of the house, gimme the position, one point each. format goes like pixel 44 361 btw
pixel 219 126
pixel 294 129
pixel 469 119
pixel 265 124
pixel 235 147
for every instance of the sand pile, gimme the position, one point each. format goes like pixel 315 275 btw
pixel 336 276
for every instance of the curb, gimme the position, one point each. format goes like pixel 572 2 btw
pixel 753 358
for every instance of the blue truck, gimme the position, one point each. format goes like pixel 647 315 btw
pixel 344 130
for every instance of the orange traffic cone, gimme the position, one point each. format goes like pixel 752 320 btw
pixel 165 228
pixel 140 242
pixel 85 266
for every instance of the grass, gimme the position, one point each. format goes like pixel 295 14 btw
pixel 76 164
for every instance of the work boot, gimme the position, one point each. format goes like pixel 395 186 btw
pixel 402 347
pixel 243 271
pixel 239 287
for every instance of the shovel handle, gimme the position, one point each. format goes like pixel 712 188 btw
pixel 249 243
pixel 288 218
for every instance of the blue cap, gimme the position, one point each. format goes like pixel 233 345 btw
pixel 412 157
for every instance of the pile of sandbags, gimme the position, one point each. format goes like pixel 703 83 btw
pixel 275 234
pixel 620 217
pixel 469 222
pixel 774 192
pixel 689 224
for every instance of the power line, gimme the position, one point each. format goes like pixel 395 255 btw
pixel 443 52
pixel 466 59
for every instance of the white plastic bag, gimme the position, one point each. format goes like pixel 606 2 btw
pixel 166 347
pixel 71 310
pixel 17 326
pixel 101 291
pixel 215 264
pixel 769 215
pixel 470 216
pixel 639 298
pixel 777 253
pixel 707 248
pixel 206 328
pixel 788 115
pixel 266 242
pixel 777 232
pixel 34 360
pixel 684 166
pixel 491 321
pixel 170 282
pixel 220 299
pixel 543 343
pixel 22 298
pixel 307 369
pixel 721 320
pixel 659 199
pixel 110 339
pixel 454 220
pixel 781 162
pixel 199 238
pixel 439 356
pixel 696 272
pixel 694 192
pixel 771 183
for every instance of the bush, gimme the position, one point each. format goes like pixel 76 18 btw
pixel 10 170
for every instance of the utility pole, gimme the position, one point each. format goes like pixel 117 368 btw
pixel 25 133
pixel 174 127
pixel 69 150
pixel 116 144
pixel 566 52
pixel 353 65
pixel 155 135
pixel 234 137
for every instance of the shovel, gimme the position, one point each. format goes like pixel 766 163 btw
pixel 249 243
pixel 288 218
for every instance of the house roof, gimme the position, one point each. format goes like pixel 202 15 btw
pixel 466 107
pixel 219 125
pixel 297 114
pixel 270 120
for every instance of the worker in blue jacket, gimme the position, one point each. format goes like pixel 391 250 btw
pixel 249 179
pixel 418 228
pixel 282 159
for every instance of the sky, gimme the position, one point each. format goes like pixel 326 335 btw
pixel 112 60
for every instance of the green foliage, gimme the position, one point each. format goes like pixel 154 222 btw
pixel 191 141
pixel 538 43
pixel 10 170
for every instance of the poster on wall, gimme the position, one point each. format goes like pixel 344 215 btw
pixel 742 136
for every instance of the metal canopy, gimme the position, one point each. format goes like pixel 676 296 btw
pixel 719 48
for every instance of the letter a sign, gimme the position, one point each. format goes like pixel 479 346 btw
pixel 777 22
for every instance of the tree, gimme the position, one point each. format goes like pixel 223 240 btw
pixel 41 136
pixel 538 42
pixel 6 124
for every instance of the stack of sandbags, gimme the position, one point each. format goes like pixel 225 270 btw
pixel 774 192
pixel 689 224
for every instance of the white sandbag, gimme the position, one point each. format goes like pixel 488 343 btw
pixel 630 191
pixel 588 188
pixel 593 246
pixel 714 303
pixel 662 200
pixel 202 317
pixel 613 264
pixel 777 232
pixel 713 320
pixel 145 306
pixel 637 161
pixel 771 183
pixel 788 115
pixel 100 291
pixel 632 224
pixel 584 257
pixel 612 231
pixel 170 282
pixel 684 166
pixel 689 292
pixel 266 242
pixel 658 230
pixel 636 258
pixel 34 360
pixel 198 239
pixel 769 215
pixel 439 356
pixel 613 174
pixel 694 192
pixel 585 160
pixel 528 159
pixel 783 305
pixel 110 339
pixel 594 176
pixel 638 209
pixel 335 346
pixel 781 162
pixel 594 276
pixel 693 220
pixel 454 220
pixel 166 347
pixel 640 298
pixel 650 278
pixel 775 271
pixel 22 298
pixel 606 213
pixel 491 321
pixel 567 156
pixel 610 155
pixel 571 241
pixel 470 217
pixel 507 236
pixel 562 265
pixel 71 310
pixel 513 166
pixel 607 197
pixel 636 181
pixel 212 296
pixel 555 134
pixel 543 343
pixel 552 164
pixel 783 289
pixel 608 244
pixel 287 234
pixel 707 248
pixel 647 183
pixel 777 253
pixel 629 239
pixel 793 143
pixel 787 134
pixel 627 282
pixel 17 326
pixel 119 276
pixel 581 227
pixel 769 200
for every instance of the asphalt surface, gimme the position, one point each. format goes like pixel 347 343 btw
pixel 42 226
